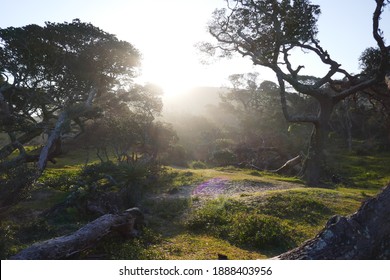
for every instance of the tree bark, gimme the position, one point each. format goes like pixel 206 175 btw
pixel 315 161
pixel 65 246
pixel 363 235
pixel 54 136
pixel 8 149
pixel 289 164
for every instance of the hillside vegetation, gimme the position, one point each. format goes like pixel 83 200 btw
pixel 192 213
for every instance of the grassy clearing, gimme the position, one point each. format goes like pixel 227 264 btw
pixel 182 246
pixel 190 246
pixel 264 224
pixel 241 226
pixel 272 222
pixel 238 174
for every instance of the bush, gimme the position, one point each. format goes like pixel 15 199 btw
pixel 7 241
pixel 198 165
pixel 15 184
pixel 260 231
pixel 296 206
pixel 110 187
pixel 230 220
pixel 176 155
pixel 224 157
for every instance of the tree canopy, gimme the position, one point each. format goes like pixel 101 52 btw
pixel 270 32
pixel 57 79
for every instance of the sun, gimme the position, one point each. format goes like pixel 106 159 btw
pixel 173 82
pixel 174 75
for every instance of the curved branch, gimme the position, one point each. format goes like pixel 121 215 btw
pixel 377 33
pixel 297 119
pixel 354 89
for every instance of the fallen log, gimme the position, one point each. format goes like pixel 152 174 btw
pixel 127 224
pixel 363 235
pixel 288 164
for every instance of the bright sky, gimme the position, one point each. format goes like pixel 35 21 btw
pixel 165 32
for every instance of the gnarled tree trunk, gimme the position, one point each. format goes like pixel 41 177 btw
pixel 363 235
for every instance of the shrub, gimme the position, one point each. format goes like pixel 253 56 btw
pixel 15 184
pixel 198 165
pixel 7 241
pixel 224 157
pixel 296 206
pixel 234 222
pixel 260 231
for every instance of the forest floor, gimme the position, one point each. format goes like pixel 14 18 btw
pixel 201 219
pixel 200 213
pixel 178 242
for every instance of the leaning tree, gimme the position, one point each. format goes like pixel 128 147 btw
pixel 50 78
pixel 270 33
pixel 55 79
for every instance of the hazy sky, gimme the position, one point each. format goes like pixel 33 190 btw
pixel 165 31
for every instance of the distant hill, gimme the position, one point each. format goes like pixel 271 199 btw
pixel 193 101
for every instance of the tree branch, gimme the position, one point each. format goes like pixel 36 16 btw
pixel 297 119
pixel 7 150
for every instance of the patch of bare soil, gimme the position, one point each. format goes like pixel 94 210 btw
pixel 220 186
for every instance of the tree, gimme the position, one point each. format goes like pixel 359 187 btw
pixel 54 81
pixel 51 76
pixel 377 96
pixel 261 131
pixel 270 32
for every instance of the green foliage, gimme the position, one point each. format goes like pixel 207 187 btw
pixel 224 157
pixel 13 236
pixel 176 155
pixel 197 164
pixel 34 230
pixel 233 221
pixel 261 231
pixel 296 206
pixel 121 173
pixel 368 172
pixel 60 178
pixel 7 241
pixel 77 64
pixel 172 178
pixel 15 184
pixel 370 61
pixel 264 22
pixel 168 208
pixel 112 186
pixel 115 248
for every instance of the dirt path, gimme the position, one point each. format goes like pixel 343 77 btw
pixel 221 186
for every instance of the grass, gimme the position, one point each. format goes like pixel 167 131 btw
pixel 275 221
pixel 190 246
pixel 174 178
pixel 363 172
pixel 238 174
pixel 243 226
